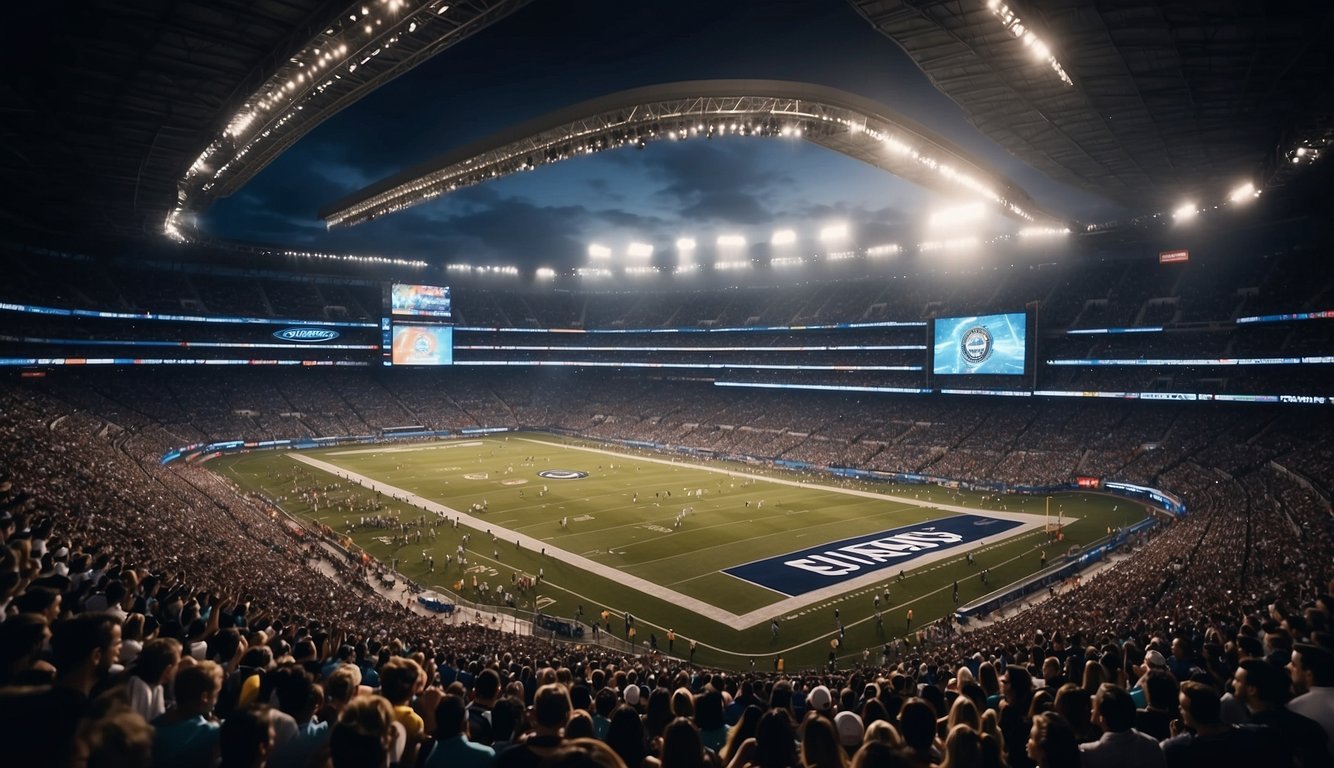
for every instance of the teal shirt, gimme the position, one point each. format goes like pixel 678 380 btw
pixel 186 744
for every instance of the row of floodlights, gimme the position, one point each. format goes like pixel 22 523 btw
pixel 638 250
pixel 1239 196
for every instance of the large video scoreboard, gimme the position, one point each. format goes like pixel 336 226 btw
pixel 980 345
pixel 426 340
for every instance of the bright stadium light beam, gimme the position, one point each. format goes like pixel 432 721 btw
pixel 783 237
pixel 1028 232
pixel 685 244
pixel 957 215
pixel 832 232
pixel 889 249
pixel 1185 212
pixel 546 273
pixel 731 241
pixel 596 251
pixel 640 250
pixel 1243 194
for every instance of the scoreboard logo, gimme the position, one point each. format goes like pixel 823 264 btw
pixel 976 345
pixel 562 474
pixel 307 335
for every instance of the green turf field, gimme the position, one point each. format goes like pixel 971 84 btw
pixel 613 542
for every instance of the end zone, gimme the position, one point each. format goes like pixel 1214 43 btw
pixel 832 564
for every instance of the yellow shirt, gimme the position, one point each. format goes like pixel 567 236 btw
pixel 410 720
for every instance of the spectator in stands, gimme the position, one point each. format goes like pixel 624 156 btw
pixel 1156 717
pixel 186 736
pixel 1051 742
pixel 246 738
pixel 37 725
pixel 486 689
pixel 551 710
pixel 917 725
pixel 743 729
pixel 152 670
pixel 774 744
pixel 367 735
pixel 963 747
pixel 1121 744
pixel 682 747
pixel 625 735
pixel 399 678
pixel 452 747
pixel 820 746
pixel 1312 671
pixel 709 719
pixel 21 640
pixel 1015 725
pixel 1201 738
pixel 116 737
pixel 1264 689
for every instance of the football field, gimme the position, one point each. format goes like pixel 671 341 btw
pixel 716 551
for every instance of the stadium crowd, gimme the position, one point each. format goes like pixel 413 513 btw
pixel 153 616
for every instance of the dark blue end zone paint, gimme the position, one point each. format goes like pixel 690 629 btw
pixel 829 564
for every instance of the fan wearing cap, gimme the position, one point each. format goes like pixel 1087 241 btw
pixel 850 731
pixel 631 695
pixel 820 701
pixel 1153 660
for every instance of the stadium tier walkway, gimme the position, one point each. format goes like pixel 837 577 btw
pixel 782 607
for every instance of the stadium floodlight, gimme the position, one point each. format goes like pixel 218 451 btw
pixel 596 251
pixel 1044 231
pixel 594 272
pixel 641 271
pixel 731 265
pixel 682 269
pixel 783 237
pixel 1184 212
pixel 831 232
pixel 956 244
pixel 685 244
pixel 957 216
pixel 786 261
pixel 731 241
pixel 1243 194
pixel 888 249
pixel 640 250
pixel 546 273
pixel 1015 26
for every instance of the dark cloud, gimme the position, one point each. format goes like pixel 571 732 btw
pixel 730 206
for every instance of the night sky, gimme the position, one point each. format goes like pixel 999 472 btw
pixel 554 53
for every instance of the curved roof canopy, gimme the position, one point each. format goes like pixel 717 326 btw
pixel 1146 102
pixel 834 119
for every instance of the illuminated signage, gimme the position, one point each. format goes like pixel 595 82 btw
pixel 307 335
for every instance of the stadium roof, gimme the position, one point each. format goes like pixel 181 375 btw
pixel 835 119
pixel 110 107
pixel 118 113
pixel 1146 103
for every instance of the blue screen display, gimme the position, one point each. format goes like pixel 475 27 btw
pixel 980 345
pixel 423 344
